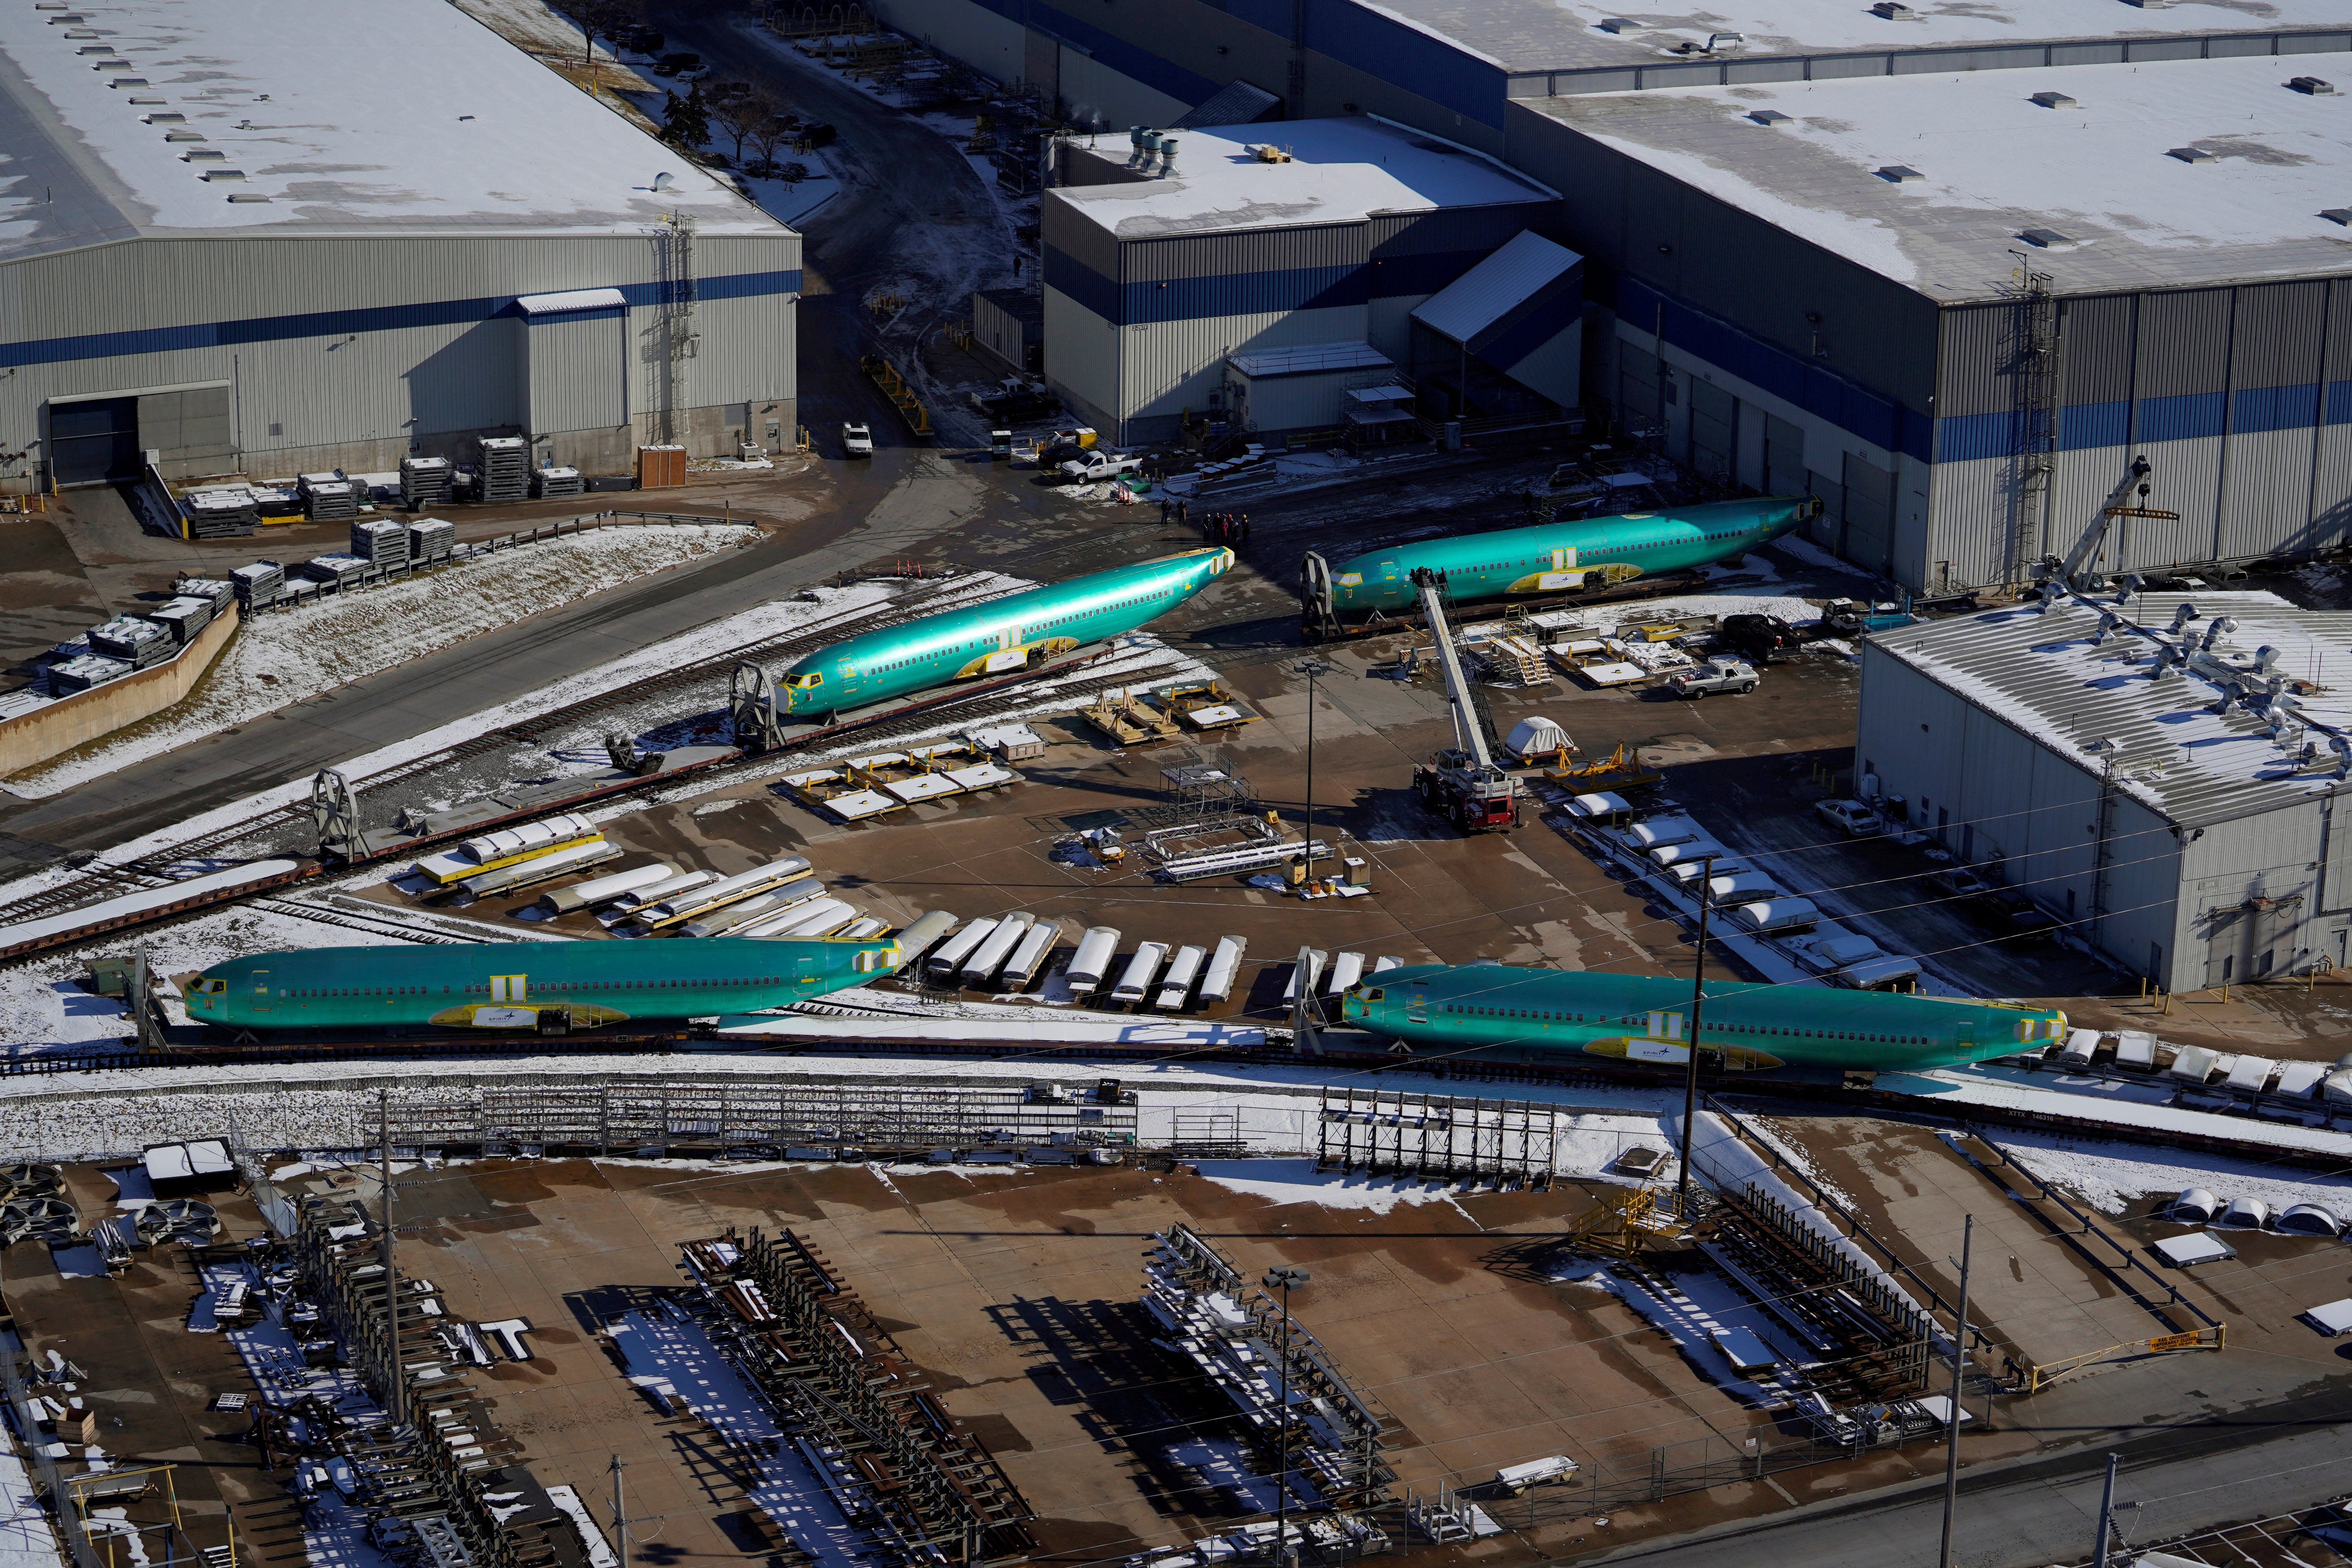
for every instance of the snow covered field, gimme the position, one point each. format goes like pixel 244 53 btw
pixel 2113 1177
pixel 276 661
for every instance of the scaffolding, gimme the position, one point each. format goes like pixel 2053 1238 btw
pixel 826 1363
pixel 1824 1290
pixel 1417 1136
pixel 750 1118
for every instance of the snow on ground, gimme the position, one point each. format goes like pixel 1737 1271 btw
pixel 668 1352
pixel 530 23
pixel 1691 1308
pixel 276 661
pixel 1298 1182
pixel 2114 1176
pixel 26 1539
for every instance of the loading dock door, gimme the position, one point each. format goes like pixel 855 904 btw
pixel 94 443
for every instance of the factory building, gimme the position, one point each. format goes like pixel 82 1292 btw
pixel 277 237
pixel 2169 773
pixel 1844 248
pixel 1272 279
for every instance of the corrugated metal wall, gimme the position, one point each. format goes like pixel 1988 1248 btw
pixel 371 393
pixel 1082 353
pixel 2240 398
pixel 1169 366
pixel 576 374
pixel 1256 250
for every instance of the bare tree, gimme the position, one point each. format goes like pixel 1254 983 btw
pixel 740 111
pixel 769 134
pixel 606 19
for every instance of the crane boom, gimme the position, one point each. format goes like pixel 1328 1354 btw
pixel 1463 783
pixel 1468 733
pixel 2094 537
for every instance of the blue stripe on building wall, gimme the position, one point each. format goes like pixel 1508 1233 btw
pixel 1964 438
pixel 1243 294
pixel 1877 420
pixel 2275 408
pixel 341 323
pixel 1092 292
pixel 1388 51
pixel 2339 403
pixel 2183 418
pixel 2082 425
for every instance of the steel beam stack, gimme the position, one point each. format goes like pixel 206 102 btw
pixel 185 617
pixel 335 567
pixel 423 481
pixel 221 514
pixel 83 673
pixel 330 498
pixel 506 468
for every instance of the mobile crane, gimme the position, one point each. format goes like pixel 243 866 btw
pixel 2092 547
pixel 1460 784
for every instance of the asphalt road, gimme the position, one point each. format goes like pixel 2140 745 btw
pixel 2027 1513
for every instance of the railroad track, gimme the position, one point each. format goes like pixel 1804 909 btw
pixel 151 872
pixel 352 919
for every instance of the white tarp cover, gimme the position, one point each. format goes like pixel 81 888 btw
pixel 2331 1317
pixel 2199 1246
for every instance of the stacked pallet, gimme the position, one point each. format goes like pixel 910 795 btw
pixel 221 514
pixel 184 617
pixel 380 541
pixel 423 481
pixel 558 482
pixel 506 468
pixel 134 639
pixel 214 591
pixel 430 539
pixel 259 583
pixel 330 498
pixel 81 674
pixel 335 567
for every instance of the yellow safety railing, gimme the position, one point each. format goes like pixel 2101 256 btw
pixel 2040 1377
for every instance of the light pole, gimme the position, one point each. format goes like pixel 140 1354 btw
pixel 1959 1359
pixel 1312 668
pixel 1282 1277
pixel 1690 1080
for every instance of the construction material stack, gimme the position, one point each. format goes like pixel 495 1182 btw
pixel 183 619
pixel 84 671
pixel 217 591
pixel 221 514
pixel 558 482
pixel 430 539
pixel 506 468
pixel 380 541
pixel 134 639
pixel 335 567
pixel 328 498
pixel 258 584
pixel 423 481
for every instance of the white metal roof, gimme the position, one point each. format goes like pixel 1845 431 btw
pixel 1995 164
pixel 1340 171
pixel 1495 286
pixel 393 114
pixel 1567 34
pixel 1307 359
pixel 570 300
pixel 2094 701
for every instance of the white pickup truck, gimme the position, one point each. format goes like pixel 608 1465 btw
pixel 1099 464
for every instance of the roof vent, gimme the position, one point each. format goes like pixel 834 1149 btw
pixel 184 135
pixel 217 175
pixel 247 196
pixel 204 155
pixel 2190 154
pixel 2049 239
pixel 1900 173
pixel 1769 117
pixel 1724 41
pixel 127 81
pixel 2313 86
pixel 95 49
pixel 169 117
pixel 1896 11
pixel 1620 24
pixel 2053 100
pixel 2151 4
pixel 2182 613
pixel 2337 214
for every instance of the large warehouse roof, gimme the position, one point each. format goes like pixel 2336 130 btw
pixel 2095 700
pixel 1934 181
pixel 1573 34
pixel 1340 171
pixel 123 117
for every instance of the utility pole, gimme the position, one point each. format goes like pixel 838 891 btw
pixel 1312 668
pixel 1690 1080
pixel 396 1394
pixel 620 1513
pixel 1960 1361
pixel 1281 1277
pixel 2106 1512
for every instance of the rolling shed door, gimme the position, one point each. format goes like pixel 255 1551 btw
pixel 94 442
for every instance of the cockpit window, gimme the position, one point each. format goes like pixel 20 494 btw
pixel 803 682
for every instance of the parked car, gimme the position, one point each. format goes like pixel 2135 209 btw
pixel 1719 672
pixel 694 73
pixel 1099 464
pixel 1852 815
pixel 1964 883
pixel 857 440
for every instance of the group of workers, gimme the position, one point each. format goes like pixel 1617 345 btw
pixel 1216 527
